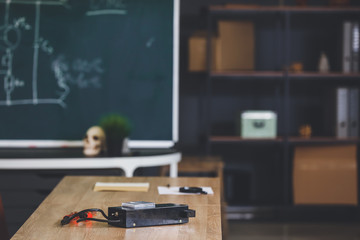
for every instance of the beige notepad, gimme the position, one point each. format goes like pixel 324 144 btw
pixel 121 186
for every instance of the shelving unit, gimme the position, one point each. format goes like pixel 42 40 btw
pixel 280 74
pixel 290 90
pixel 294 140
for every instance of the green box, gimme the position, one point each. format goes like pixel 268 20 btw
pixel 258 124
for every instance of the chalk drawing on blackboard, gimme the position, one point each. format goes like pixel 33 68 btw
pixel 106 7
pixel 82 73
pixel 150 42
pixel 10 37
pixel 42 2
pixel 15 29
pixel 45 46
pixel 60 70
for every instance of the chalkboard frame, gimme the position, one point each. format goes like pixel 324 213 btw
pixel 132 143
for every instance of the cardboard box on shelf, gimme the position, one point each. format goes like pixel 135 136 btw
pixel 237 44
pixel 198 53
pixel 325 175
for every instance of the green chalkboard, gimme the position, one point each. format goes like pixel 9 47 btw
pixel 65 64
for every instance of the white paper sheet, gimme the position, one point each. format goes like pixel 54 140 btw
pixel 175 191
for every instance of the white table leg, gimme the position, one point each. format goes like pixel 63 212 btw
pixel 129 171
pixel 173 169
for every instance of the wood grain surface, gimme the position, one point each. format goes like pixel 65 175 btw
pixel 76 193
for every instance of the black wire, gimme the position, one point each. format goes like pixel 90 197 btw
pixel 91 210
pixel 102 212
pixel 81 215
pixel 97 220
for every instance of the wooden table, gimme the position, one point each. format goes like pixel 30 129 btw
pixel 75 194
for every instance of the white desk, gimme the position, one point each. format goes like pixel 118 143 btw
pixel 129 163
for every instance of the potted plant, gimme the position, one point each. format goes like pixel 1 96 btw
pixel 116 128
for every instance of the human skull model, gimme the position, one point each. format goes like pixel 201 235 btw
pixel 94 142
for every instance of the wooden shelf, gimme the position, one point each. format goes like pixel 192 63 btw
pixel 239 8
pixel 281 74
pixel 317 75
pixel 237 139
pixel 247 74
pixel 323 140
pixel 293 140
pixel 273 85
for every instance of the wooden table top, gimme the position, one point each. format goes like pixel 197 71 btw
pixel 76 193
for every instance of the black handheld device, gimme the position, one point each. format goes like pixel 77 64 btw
pixel 161 214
